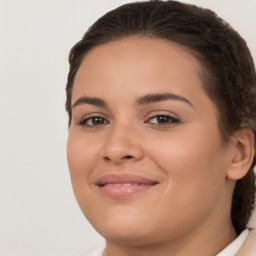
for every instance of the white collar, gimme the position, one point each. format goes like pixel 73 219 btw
pixel 233 247
pixel 230 250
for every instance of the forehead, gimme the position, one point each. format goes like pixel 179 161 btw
pixel 142 49
pixel 137 60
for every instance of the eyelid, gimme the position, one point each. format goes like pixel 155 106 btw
pixel 162 113
pixel 85 118
pixel 155 114
pixel 173 119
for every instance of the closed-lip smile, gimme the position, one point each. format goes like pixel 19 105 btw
pixel 124 185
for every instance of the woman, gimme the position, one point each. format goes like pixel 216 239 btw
pixel 162 117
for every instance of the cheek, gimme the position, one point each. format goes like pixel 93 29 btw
pixel 190 158
pixel 80 153
pixel 195 173
pixel 74 154
pixel 81 156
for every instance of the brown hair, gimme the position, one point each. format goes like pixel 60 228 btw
pixel 228 72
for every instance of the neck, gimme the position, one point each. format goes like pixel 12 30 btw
pixel 191 244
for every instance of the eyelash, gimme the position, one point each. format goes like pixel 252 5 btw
pixel 170 120
pixel 167 120
pixel 91 118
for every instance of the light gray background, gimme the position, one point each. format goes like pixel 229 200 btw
pixel 38 212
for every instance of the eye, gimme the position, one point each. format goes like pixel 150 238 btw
pixel 93 121
pixel 162 120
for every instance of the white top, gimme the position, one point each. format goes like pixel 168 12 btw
pixel 233 248
pixel 230 250
pixel 95 251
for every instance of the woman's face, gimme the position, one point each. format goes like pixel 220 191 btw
pixel 146 157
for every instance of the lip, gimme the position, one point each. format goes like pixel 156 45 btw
pixel 124 185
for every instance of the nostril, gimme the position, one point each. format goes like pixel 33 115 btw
pixel 127 157
pixel 107 158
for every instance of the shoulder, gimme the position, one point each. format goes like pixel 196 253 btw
pixel 95 251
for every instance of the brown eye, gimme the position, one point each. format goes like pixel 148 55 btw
pixel 97 121
pixel 94 121
pixel 162 119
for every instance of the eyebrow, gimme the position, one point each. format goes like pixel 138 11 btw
pixel 89 100
pixel 144 100
pixel 154 98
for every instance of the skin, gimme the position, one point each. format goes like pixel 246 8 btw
pixel 188 212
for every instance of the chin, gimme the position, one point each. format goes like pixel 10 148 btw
pixel 132 236
pixel 122 225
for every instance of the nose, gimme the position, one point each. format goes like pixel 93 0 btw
pixel 122 145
